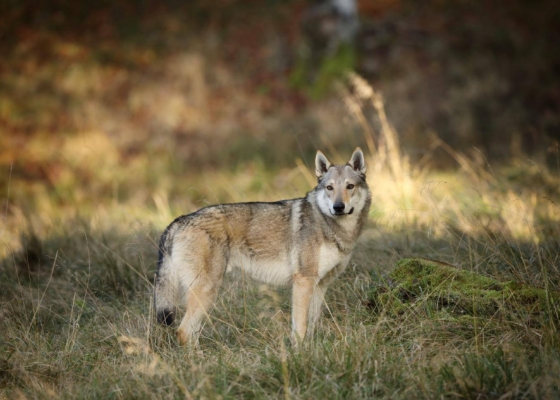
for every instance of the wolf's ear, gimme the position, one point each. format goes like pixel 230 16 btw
pixel 322 164
pixel 357 161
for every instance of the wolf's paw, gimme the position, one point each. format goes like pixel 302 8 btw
pixel 187 340
pixel 182 337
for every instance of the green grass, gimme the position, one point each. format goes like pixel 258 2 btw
pixel 441 288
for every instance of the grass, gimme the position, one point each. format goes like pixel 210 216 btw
pixel 78 260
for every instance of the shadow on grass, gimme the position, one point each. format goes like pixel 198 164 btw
pixel 85 326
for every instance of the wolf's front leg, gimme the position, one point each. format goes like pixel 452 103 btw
pixel 318 297
pixel 315 306
pixel 302 295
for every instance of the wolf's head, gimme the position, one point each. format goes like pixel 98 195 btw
pixel 342 189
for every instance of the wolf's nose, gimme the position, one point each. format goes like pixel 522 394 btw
pixel 338 207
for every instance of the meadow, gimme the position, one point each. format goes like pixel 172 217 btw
pixel 116 118
pixel 78 261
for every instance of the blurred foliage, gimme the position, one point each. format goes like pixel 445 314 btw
pixel 119 99
pixel 479 73
pixel 316 81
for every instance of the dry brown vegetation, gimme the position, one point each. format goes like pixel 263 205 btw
pixel 104 140
pixel 77 312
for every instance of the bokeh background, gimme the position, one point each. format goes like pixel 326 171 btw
pixel 120 99
pixel 118 116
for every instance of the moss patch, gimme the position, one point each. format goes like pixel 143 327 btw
pixel 443 290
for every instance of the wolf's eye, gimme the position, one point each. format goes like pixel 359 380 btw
pixel 350 186
pixel 329 187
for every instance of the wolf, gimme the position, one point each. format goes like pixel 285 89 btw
pixel 303 242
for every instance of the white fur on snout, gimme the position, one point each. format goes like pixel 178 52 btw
pixel 357 202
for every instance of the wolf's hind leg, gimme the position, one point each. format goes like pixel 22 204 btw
pixel 200 298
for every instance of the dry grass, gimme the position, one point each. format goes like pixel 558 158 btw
pixel 78 262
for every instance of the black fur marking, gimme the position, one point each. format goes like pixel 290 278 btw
pixel 290 213
pixel 166 317
pixel 322 166
pixel 356 162
pixel 164 248
pixel 228 242
pixel 224 207
pixel 227 249
pixel 304 210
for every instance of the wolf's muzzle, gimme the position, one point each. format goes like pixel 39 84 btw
pixel 339 208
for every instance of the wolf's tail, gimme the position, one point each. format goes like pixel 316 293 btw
pixel 165 289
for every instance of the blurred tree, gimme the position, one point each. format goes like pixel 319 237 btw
pixel 329 29
pixel 329 23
